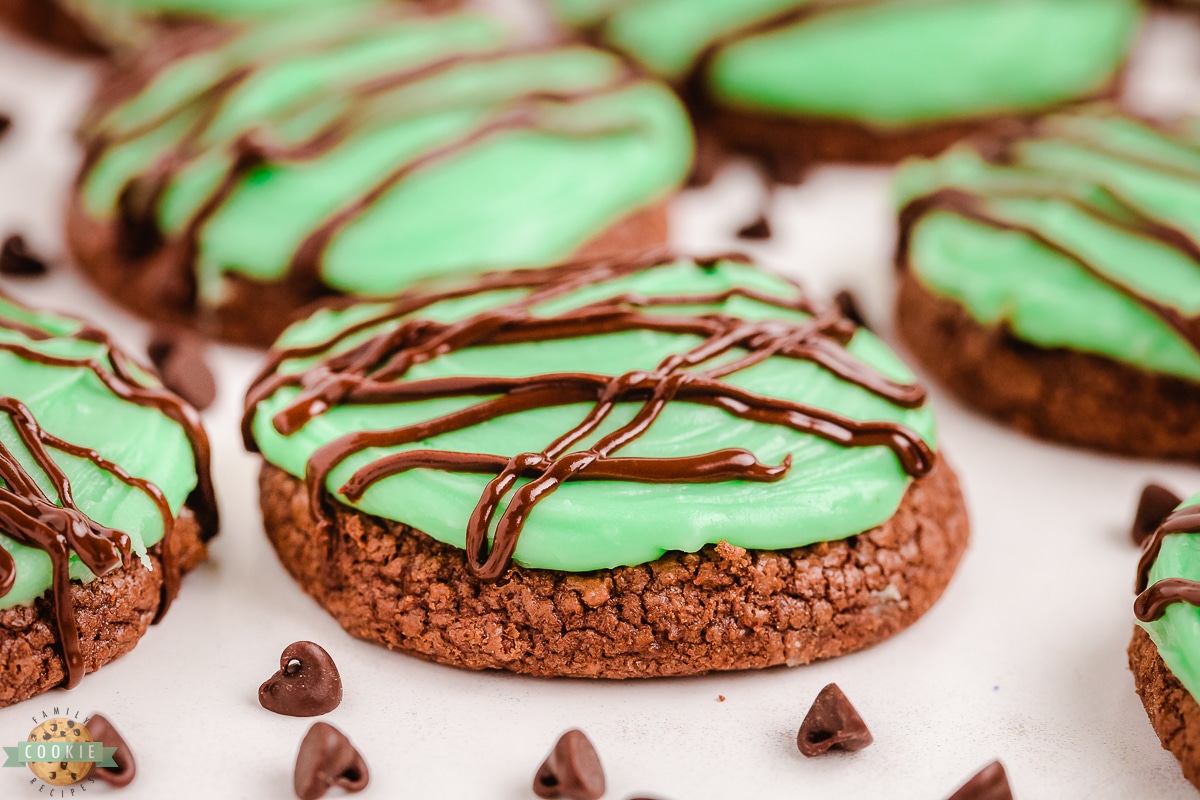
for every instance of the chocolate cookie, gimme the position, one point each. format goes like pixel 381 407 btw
pixel 98 521
pixel 617 468
pixel 92 27
pixel 1164 654
pixel 867 80
pixel 1050 276
pixel 230 181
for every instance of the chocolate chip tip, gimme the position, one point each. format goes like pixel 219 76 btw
pixel 327 759
pixel 832 723
pixel 103 731
pixel 1155 503
pixel 990 783
pixel 307 683
pixel 572 770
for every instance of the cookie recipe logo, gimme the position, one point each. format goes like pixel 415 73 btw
pixel 60 752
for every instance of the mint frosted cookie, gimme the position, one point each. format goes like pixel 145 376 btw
pixel 106 500
pixel 96 26
pixel 609 469
pixel 1050 276
pixel 798 81
pixel 1165 652
pixel 340 152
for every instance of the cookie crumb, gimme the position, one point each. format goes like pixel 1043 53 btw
pixel 17 261
pixel 720 698
pixel 832 724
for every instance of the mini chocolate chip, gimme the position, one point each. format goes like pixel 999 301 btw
pixel 1155 504
pixel 327 759
pixel 103 731
pixel 990 783
pixel 760 228
pixel 832 723
pixel 17 261
pixel 178 355
pixel 847 304
pixel 306 685
pixel 572 770
pixel 5 124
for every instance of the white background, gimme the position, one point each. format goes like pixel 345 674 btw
pixel 1023 659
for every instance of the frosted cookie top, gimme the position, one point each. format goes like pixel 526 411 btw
pixel 341 151
pixel 1081 231
pixel 97 460
pixel 886 63
pixel 597 415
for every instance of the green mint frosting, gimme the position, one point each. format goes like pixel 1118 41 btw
pixel 1089 183
pixel 882 62
pixel 1177 632
pixel 73 404
pixel 517 197
pixel 831 492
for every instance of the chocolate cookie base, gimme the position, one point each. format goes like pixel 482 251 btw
pixel 788 147
pixel 47 22
pixel 1171 708
pixel 1057 394
pixel 159 287
pixel 112 612
pixel 724 608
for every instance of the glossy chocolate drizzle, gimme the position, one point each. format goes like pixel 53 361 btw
pixel 372 372
pixel 976 207
pixel 1152 601
pixel 175 259
pixel 57 526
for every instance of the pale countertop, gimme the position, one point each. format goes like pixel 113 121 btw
pixel 1023 659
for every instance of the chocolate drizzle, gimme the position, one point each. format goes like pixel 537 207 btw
pixel 372 372
pixel 57 526
pixel 1152 601
pixel 175 258
pixel 1117 211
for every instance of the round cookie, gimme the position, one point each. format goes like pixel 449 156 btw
pixel 1164 654
pixel 106 500
pixel 229 183
pixel 1050 277
pixel 93 27
pixel 799 81
pixel 615 468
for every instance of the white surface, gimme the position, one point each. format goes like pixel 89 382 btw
pixel 1022 660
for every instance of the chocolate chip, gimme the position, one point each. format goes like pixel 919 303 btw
pixel 990 783
pixel 758 229
pixel 1155 504
pixel 832 724
pixel 306 685
pixel 572 770
pixel 5 124
pixel 103 731
pixel 17 261
pixel 327 759
pixel 847 304
pixel 178 355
